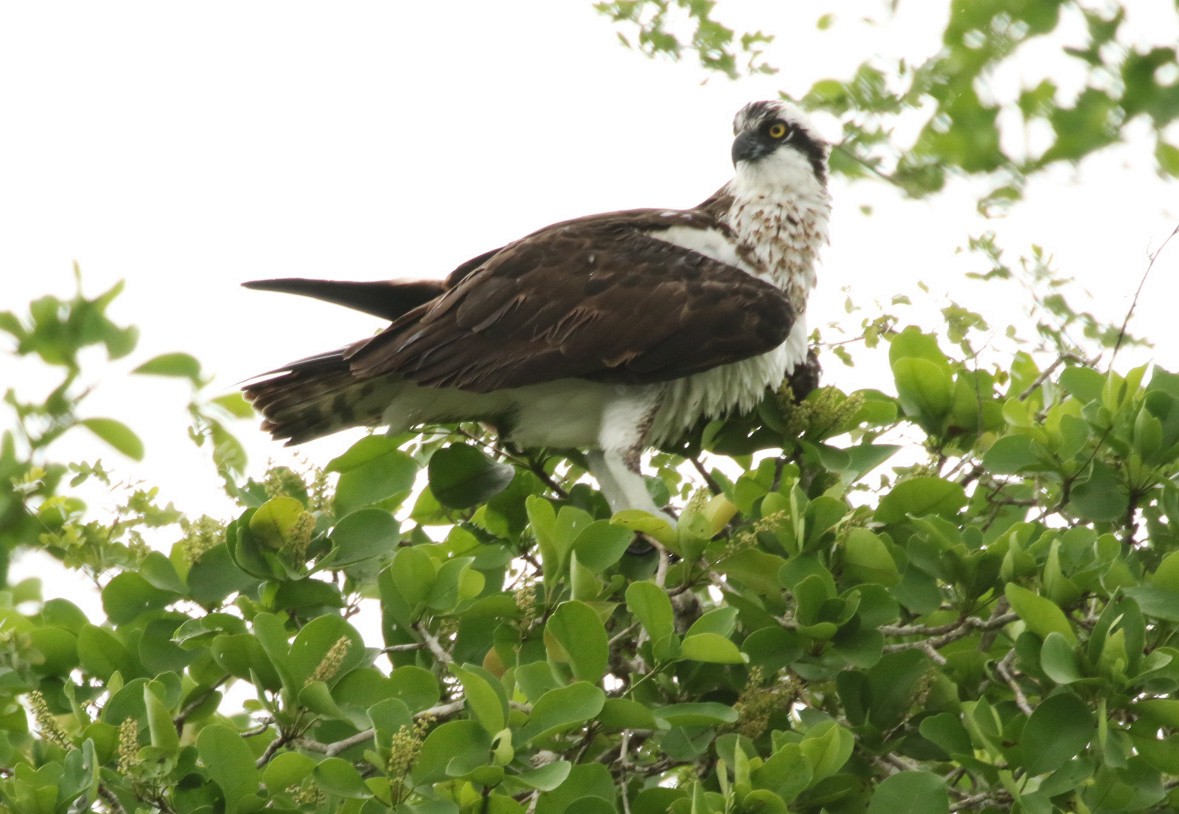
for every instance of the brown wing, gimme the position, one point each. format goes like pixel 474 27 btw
pixel 597 298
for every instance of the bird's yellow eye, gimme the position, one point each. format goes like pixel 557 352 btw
pixel 777 130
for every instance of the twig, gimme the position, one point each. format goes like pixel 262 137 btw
pixel 261 727
pixel 110 799
pixel 182 716
pixel 661 569
pixel 897 762
pixel 709 480
pixel 1002 668
pixel 1048 371
pixel 977 801
pixel 623 747
pixel 433 643
pixel 1137 293
pixel 622 634
pixel 945 633
pixel 935 656
pixel 336 747
pixel 282 740
pixel 441 710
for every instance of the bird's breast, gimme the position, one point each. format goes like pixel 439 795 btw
pixel 726 389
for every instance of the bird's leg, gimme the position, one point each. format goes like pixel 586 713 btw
pixel 622 482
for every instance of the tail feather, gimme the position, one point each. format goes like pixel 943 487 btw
pixel 315 397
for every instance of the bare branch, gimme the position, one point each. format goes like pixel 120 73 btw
pixel 1138 293
pixel 432 642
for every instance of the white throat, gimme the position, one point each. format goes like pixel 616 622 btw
pixel 780 214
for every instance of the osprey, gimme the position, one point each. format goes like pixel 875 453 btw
pixel 608 333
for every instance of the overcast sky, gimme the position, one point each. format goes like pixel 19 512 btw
pixel 189 147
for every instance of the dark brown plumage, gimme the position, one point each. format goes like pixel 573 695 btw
pixel 599 298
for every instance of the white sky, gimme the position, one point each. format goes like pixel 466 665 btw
pixel 188 147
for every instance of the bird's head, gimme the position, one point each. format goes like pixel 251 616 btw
pixel 777 148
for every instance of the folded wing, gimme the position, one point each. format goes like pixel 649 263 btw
pixel 600 298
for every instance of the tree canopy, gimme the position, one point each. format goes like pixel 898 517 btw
pixel 958 593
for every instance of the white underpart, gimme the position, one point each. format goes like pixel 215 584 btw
pixel 609 420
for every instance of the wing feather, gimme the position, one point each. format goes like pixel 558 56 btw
pixel 599 298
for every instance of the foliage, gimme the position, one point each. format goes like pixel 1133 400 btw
pixel 655 26
pixel 965 595
pixel 965 120
pixel 958 595
pixel 59 333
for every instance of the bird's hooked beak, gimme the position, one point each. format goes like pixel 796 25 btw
pixel 749 146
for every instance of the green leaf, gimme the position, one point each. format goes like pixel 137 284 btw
pixel 362 535
pixel 911 343
pixel 925 387
pixel 711 648
pixel 117 434
pixel 623 713
pixel 229 761
pixel 57 647
pixel 314 641
pixel 601 544
pixel 457 581
pixel 371 471
pixel 1101 496
pixel 1011 454
pixel 1041 615
pixel 276 521
pixel 406 582
pixel 912 793
pixel 921 496
pixel 1166 576
pixel 486 704
pixel 242 655
pixel 464 741
pixel 180 365
pixel 867 559
pixel 654 526
pixel 1058 659
pixel 286 769
pixel 1084 383
pixel 215 576
pixel 560 709
pixel 574 635
pixel 235 404
pixel 1156 602
pixel 651 605
pixel 926 391
pixel 1163 711
pixel 698 713
pixel 721 621
pixel 946 730
pixel 416 687
pixel 549 777
pixel 786 773
pixel 827 747
pixel 102 655
pixel 339 777
pixel 1167 156
pixel 128 595
pixel 1058 729
pixel 461 476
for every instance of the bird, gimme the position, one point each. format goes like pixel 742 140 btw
pixel 611 333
